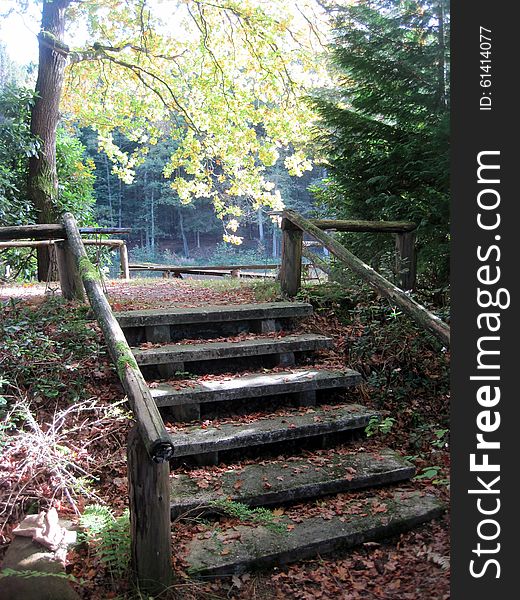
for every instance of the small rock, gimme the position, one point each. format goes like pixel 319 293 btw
pixel 25 554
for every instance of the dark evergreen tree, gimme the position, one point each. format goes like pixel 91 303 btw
pixel 385 129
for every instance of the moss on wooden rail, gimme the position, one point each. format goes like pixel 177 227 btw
pixel 124 358
pixel 87 270
pixel 151 425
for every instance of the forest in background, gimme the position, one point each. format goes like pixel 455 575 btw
pixel 377 148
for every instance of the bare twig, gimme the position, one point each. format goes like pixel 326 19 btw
pixel 42 461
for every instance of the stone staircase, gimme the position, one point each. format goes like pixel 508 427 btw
pixel 265 340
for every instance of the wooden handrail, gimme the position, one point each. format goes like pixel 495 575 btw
pixel 405 232
pixel 364 226
pixel 58 244
pixel 406 259
pixel 157 267
pixel 38 243
pixel 53 231
pixel 149 446
pixel 155 436
pixel 293 226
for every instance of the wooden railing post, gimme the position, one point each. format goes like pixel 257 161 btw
pixel 70 279
pixel 291 265
pixel 149 495
pixel 406 259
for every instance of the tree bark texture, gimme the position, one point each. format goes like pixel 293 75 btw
pixel 43 178
pixel 185 247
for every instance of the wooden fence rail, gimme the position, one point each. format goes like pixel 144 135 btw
pixel 157 267
pixel 364 226
pixel 248 271
pixel 405 234
pixel 293 227
pixel 53 231
pixel 149 446
pixel 112 244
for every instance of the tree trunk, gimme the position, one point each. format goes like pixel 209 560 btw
pixel 120 204
pixel 152 222
pixel 260 225
pixel 145 208
pixel 109 191
pixel 442 58
pixel 43 178
pixel 186 250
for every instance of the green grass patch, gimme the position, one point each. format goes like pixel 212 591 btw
pixel 259 516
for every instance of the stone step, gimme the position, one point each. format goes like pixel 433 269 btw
pixel 302 384
pixel 235 550
pixel 279 481
pixel 191 357
pixel 172 324
pixel 205 442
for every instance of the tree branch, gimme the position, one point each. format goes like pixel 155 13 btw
pixel 140 72
pixel 99 51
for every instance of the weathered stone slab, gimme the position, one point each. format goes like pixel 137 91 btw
pixel 214 314
pixel 185 412
pixel 286 359
pixel 307 398
pixel 244 548
pixel 185 353
pixel 24 554
pixel 169 370
pixel 195 440
pixel 255 386
pixel 174 324
pixel 157 334
pixel 289 481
